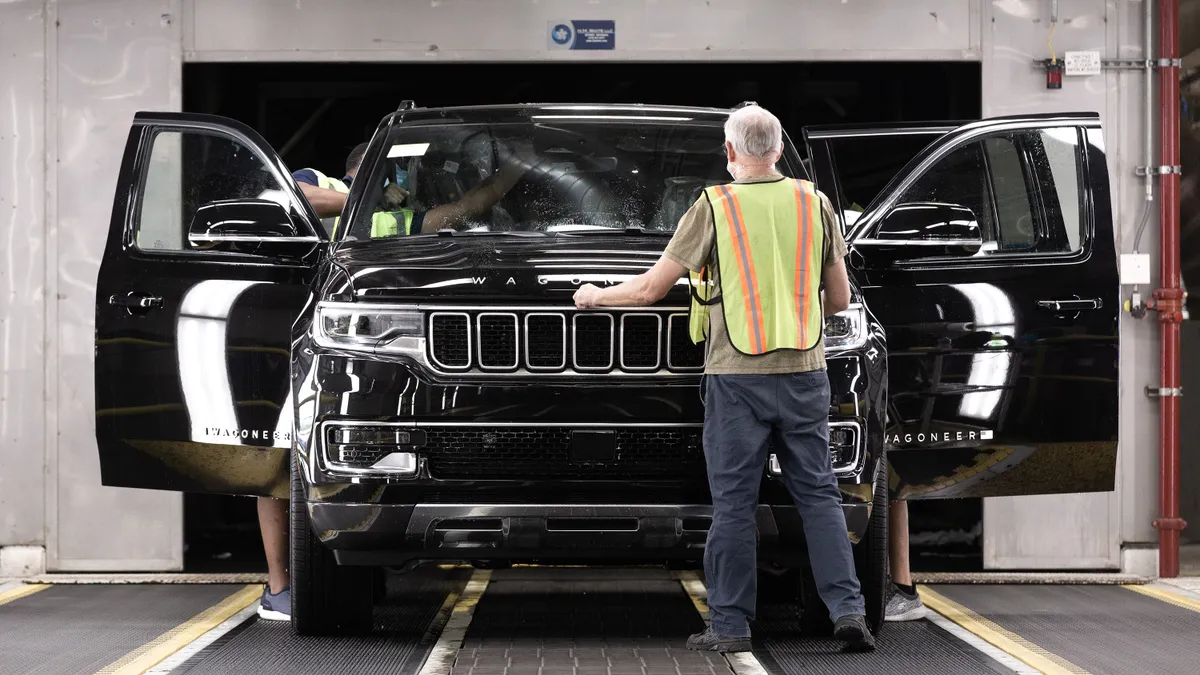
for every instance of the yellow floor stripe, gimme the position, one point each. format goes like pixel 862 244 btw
pixel 1001 638
pixel 20 592
pixel 1166 596
pixel 148 655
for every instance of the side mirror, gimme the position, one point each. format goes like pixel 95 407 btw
pixel 922 230
pixel 248 226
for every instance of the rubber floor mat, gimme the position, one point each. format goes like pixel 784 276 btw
pixel 81 629
pixel 1102 629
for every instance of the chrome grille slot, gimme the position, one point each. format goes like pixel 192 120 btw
pixel 593 341
pixel 545 341
pixel 450 339
pixel 496 338
pixel 640 341
pixel 682 353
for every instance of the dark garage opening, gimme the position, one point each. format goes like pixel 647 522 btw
pixel 313 114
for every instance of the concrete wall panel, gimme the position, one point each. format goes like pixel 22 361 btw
pixel 22 270
pixel 113 58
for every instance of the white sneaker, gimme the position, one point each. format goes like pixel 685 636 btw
pixel 905 607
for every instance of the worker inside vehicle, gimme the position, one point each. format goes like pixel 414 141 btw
pixel 396 213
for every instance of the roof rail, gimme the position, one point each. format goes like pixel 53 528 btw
pixel 406 104
pixel 743 104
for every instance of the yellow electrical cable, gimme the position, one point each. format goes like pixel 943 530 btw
pixel 1053 56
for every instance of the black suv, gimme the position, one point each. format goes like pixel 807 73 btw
pixel 437 397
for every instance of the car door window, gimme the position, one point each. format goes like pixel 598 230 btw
pixel 1023 188
pixel 188 169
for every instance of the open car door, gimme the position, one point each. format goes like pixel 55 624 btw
pixel 209 258
pixel 987 253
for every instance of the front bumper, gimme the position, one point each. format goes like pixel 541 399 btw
pixel 397 534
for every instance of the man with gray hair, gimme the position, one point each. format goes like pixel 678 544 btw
pixel 766 252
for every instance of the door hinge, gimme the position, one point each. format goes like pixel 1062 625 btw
pixel 1159 170
pixel 1160 392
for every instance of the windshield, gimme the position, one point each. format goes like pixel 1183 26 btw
pixel 558 175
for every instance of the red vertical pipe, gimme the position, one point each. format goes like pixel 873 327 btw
pixel 1169 296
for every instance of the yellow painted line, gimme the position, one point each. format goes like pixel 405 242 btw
pixel 150 654
pixel 1166 596
pixel 1007 641
pixel 441 657
pixel 20 592
pixel 741 663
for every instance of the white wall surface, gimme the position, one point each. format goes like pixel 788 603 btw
pixel 516 30
pixel 85 66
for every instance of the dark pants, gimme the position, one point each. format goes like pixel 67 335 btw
pixel 741 413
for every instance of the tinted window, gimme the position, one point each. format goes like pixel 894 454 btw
pixel 189 169
pixel 1023 188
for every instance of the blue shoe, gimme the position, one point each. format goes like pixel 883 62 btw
pixel 277 606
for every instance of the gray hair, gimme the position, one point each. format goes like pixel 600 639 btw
pixel 754 131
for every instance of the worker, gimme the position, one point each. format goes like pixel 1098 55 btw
pixel 760 250
pixel 905 603
pixel 328 195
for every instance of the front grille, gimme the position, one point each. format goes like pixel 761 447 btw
pixel 562 341
pixel 593 341
pixel 497 341
pixel 640 338
pixel 468 452
pixel 450 339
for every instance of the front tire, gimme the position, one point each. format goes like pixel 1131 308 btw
pixel 871 553
pixel 327 598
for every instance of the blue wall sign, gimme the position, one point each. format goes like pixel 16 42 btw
pixel 582 34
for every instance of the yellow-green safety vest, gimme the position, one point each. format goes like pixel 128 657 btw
pixel 770 243
pixel 383 223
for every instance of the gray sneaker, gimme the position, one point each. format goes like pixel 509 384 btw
pixel 711 641
pixel 275 606
pixel 905 607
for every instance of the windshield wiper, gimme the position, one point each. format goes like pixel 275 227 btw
pixel 629 230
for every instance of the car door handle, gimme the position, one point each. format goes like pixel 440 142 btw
pixel 1072 305
pixel 135 301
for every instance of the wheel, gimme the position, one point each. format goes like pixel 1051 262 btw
pixel 870 563
pixel 871 554
pixel 327 598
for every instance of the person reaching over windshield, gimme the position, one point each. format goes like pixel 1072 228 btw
pixel 516 160
pixel 327 195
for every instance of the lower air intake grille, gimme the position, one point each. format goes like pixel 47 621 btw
pixel 481 453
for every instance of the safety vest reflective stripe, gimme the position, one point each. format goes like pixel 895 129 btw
pixel 809 216
pixel 770 236
pixel 745 264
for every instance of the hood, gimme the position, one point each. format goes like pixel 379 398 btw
pixel 490 267
pixel 493 268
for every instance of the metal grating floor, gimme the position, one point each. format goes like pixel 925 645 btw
pixel 81 629
pixel 1102 629
pixel 586 622
pixel 397 645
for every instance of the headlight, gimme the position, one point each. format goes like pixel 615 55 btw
pixel 846 329
pixel 357 326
